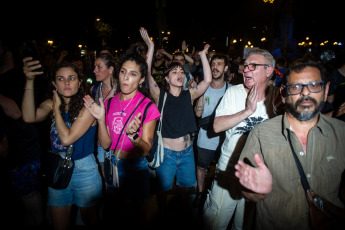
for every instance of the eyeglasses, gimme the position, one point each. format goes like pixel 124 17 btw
pixel 313 87
pixel 252 66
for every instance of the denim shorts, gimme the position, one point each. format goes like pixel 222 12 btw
pixel 25 178
pixel 134 179
pixel 84 189
pixel 176 163
pixel 205 157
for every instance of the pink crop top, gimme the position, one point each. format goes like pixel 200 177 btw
pixel 115 121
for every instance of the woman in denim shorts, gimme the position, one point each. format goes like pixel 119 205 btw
pixel 72 124
pixel 178 123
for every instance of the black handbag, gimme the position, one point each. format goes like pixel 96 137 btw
pixel 58 167
pixel 108 170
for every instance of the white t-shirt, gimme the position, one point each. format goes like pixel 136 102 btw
pixel 234 101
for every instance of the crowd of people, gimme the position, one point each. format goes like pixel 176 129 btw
pixel 220 109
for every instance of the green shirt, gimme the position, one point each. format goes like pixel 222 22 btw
pixel 286 206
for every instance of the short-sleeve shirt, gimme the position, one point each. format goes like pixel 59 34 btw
pixel 323 163
pixel 115 118
pixel 233 101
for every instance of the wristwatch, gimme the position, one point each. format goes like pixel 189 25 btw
pixel 134 137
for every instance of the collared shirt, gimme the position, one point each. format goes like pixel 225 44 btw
pixel 323 163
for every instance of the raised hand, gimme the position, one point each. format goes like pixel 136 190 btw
pixel 258 179
pixel 56 101
pixel 144 34
pixel 252 99
pixel 203 52
pixel 97 111
pixel 29 66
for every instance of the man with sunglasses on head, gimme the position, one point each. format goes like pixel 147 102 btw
pixel 318 141
pixel 242 107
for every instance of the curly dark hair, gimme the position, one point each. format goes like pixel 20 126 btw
pixel 76 103
pixel 134 53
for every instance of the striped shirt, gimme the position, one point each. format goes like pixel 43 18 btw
pixel 286 206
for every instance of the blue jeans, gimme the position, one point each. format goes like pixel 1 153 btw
pixel 84 189
pixel 176 163
pixel 134 179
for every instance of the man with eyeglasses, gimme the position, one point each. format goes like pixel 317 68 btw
pixel 318 140
pixel 242 107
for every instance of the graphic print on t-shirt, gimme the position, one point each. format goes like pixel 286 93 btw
pixel 250 123
pixel 117 125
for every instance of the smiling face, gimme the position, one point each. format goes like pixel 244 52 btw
pixel 130 78
pixel 66 81
pixel 260 75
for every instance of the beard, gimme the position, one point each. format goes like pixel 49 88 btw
pixel 217 77
pixel 306 114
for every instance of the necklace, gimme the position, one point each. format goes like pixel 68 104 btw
pixel 107 93
pixel 123 110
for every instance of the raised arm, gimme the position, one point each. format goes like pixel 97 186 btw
pixel 154 89
pixel 188 59
pixel 30 113
pixel 203 85
pixel 69 135
pixel 199 107
pixel 165 53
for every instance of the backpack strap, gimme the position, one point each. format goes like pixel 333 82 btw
pixel 145 111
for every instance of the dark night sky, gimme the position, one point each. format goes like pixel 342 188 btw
pixel 190 20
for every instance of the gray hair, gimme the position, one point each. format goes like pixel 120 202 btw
pixel 267 55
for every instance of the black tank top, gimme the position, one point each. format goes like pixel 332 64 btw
pixel 178 114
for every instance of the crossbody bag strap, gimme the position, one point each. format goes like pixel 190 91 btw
pixel 124 126
pixel 299 166
pixel 161 118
